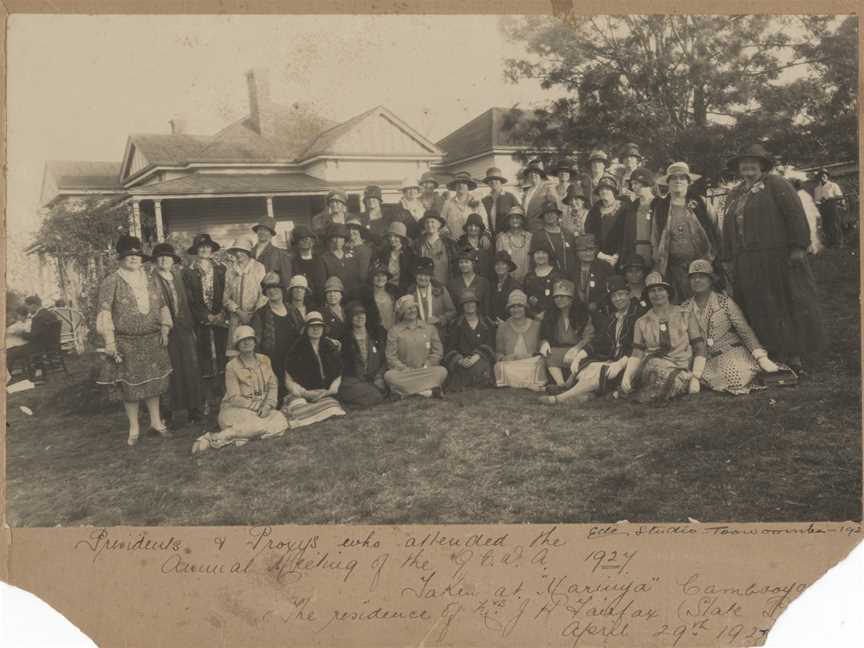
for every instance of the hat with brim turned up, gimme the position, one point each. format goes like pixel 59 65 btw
pixel 202 240
pixel 655 279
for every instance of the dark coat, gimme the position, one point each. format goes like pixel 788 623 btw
pixel 578 315
pixel 627 232
pixel 499 221
pixel 605 345
pixel 539 290
pixel 374 364
pixel 212 339
pixel 44 332
pixel 315 272
pixel 276 259
pixel 611 242
pixel 366 295
pixel 498 297
pixel 346 268
pixel 598 272
pixel 660 207
pixel 195 292
pixel 480 287
pixel 483 267
pixel 303 366
pixel 464 341
pixel 406 267
pixel 335 328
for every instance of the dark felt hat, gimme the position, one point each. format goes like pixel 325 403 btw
pixel 538 243
pixel 475 219
pixel 634 260
pixel 467 252
pixel 630 149
pixel 338 195
pixel 424 265
pixel 380 268
pixel 165 249
pixel 643 175
pixel 503 256
pixel 354 307
pixel 536 166
pixel 433 214
pixel 574 191
pixel 266 223
pixel 202 239
pixel 130 246
pixel 494 173
pixel 300 232
pixel 549 206
pixel 614 283
pixel 754 151
pixel 337 230
pixel 372 191
pixel 462 177
pixel 565 164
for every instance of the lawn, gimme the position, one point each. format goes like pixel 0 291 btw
pixel 486 456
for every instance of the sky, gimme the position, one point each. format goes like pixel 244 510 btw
pixel 79 85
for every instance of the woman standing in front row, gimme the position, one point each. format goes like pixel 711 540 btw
pixel 135 323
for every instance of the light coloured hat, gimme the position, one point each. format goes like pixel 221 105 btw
pixel 409 183
pixel 563 288
pixel 312 318
pixel 494 173
pixel 516 210
pixel 428 176
pixel 243 332
pixel 517 298
pixel 403 303
pixel 299 281
pixel 242 245
pixel 468 296
pixel 701 266
pixel 266 223
pixel 334 283
pixel 679 168
pixel 338 195
pixel 398 228
pixel 656 279
pixel 598 154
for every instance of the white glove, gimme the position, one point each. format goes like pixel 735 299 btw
pixel 767 365
pixel 694 387
pixel 545 349
pixel 574 366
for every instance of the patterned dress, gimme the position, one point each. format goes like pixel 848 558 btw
pixel 517 245
pixel 730 364
pixel 131 312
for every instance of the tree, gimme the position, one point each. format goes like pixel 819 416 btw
pixel 683 87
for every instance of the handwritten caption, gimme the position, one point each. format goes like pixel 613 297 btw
pixel 601 588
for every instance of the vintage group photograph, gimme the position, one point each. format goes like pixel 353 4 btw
pixel 432 269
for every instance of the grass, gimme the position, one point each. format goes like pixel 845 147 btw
pixel 783 454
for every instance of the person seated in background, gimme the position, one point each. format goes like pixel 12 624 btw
pixel 434 303
pixel 668 349
pixel 735 355
pixel 248 409
pixel 539 281
pixel 470 354
pixel 44 333
pixel 612 348
pixel 334 315
pixel 313 376
pixel 364 360
pixel 566 332
pixel 501 286
pixel 517 348
pixel 414 353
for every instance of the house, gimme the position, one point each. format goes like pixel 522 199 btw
pixel 279 161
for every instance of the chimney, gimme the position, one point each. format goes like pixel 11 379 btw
pixel 178 126
pixel 260 107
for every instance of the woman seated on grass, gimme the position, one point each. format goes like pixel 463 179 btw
pixel 565 332
pixel 735 355
pixel 616 343
pixel 471 348
pixel 517 343
pixel 248 408
pixel 668 349
pixel 363 360
pixel 313 375
pixel 414 352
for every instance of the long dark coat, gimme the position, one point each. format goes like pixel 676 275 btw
pixel 211 339
pixel 186 389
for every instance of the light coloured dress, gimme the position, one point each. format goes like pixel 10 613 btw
pixel 242 291
pixel 455 213
pixel 730 364
pixel 517 246
pixel 414 353
pixel 131 312
pixel 522 369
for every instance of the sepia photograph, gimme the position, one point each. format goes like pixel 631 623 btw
pixel 409 269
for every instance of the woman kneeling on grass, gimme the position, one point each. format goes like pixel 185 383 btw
pixel 666 340
pixel 313 375
pixel 248 408
pixel 617 339
pixel 414 353
pixel 517 343
pixel 735 355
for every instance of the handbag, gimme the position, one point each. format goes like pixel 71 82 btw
pixel 783 377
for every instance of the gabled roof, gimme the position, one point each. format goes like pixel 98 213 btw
pixel 377 132
pixel 83 175
pixel 169 149
pixel 491 130
pixel 251 183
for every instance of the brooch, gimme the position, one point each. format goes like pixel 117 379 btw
pixel 592 283
pixel 663 326
pixel 759 186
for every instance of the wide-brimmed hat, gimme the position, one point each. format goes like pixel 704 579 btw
pixel 165 249
pixel 434 215
pixel 503 256
pixel 241 245
pixel 398 228
pixel 467 252
pixel 563 288
pixel 429 177
pixel 634 260
pixel 336 230
pixel 202 239
pixel 463 177
pixel 756 151
pixel 598 154
pixel 630 149
pixel 538 244
pixel 334 284
pixel 355 307
pixel 643 175
pixel 408 183
pixel 574 191
pixel 468 296
pixel 517 298
pixel 494 173
pixel 373 191
pixel 243 332
pixel 313 318
pixel 272 280
pixel 614 283
pixel 656 279
pixel 475 219
pixel 516 210
pixel 547 207
pixel 608 181
pixel 424 265
pixel 701 266
pixel 300 232
pixel 585 242
pixel 679 168
pixel 403 303
pixel 298 281
pixel 130 246
pixel 535 166
pixel 380 268
pixel 565 164
pixel 337 195
pixel 267 223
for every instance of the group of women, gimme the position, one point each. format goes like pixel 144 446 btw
pixel 621 284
